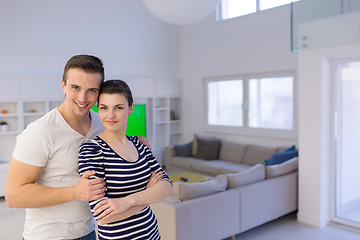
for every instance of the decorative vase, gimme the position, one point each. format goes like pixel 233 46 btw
pixel 4 128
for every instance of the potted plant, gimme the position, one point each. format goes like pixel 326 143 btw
pixel 3 126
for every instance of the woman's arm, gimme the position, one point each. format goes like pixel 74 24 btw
pixel 115 209
pixel 155 177
pixel 159 190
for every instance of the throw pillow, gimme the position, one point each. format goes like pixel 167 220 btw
pixel 292 148
pixel 186 191
pixel 282 168
pixel 196 137
pixel 286 149
pixel 184 150
pixel 254 174
pixel 281 157
pixel 289 149
pixel 207 149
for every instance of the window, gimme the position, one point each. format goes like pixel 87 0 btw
pixel 235 8
pixel 224 104
pixel 271 103
pixel 251 104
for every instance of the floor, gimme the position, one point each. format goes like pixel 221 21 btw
pixel 287 228
pixel 284 228
pixel 11 222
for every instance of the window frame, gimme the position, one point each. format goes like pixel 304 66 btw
pixel 220 16
pixel 245 129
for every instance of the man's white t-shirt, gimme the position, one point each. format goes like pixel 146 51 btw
pixel 51 143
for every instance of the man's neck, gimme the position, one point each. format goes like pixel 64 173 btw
pixel 80 124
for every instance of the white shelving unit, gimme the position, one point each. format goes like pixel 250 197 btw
pixel 18 114
pixel 167 125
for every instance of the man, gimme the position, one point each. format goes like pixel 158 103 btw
pixel 43 176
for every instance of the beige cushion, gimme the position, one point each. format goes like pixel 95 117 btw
pixel 182 162
pixel 280 149
pixel 185 191
pixel 254 174
pixel 196 136
pixel 234 168
pixel 257 154
pixel 171 199
pixel 282 168
pixel 231 151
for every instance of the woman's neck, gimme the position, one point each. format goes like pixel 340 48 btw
pixel 109 136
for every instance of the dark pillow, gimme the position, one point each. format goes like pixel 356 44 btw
pixel 281 157
pixel 207 149
pixel 184 150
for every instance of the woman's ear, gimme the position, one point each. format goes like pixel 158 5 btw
pixel 131 109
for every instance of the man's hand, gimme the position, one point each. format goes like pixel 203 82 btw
pixel 89 189
pixel 144 141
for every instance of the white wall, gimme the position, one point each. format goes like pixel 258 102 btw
pixel 314 131
pixel 254 43
pixel 39 36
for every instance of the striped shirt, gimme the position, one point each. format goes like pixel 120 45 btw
pixel 122 178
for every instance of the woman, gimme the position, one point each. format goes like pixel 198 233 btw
pixel 133 177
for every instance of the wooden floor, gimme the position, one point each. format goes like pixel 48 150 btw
pixel 284 228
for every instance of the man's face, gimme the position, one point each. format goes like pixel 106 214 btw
pixel 81 90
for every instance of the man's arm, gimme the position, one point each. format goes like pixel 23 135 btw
pixel 22 191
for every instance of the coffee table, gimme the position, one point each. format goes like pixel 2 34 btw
pixel 188 177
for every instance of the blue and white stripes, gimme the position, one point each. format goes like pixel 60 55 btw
pixel 122 178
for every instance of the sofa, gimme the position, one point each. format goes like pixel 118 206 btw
pixel 249 186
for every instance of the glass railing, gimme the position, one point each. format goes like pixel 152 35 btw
pixel 324 23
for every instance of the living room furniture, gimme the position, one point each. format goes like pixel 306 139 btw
pixel 243 193
pixel 189 177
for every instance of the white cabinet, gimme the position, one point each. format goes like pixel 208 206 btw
pixel 3 170
pixel 18 114
pixel 33 110
pixel 167 125
pixel 176 127
pixel 9 117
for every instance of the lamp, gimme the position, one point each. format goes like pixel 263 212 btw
pixel 181 12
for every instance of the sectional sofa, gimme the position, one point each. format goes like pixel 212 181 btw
pixel 243 192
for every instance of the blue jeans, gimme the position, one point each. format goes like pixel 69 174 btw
pixel 90 236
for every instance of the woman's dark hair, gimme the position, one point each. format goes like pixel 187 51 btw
pixel 87 63
pixel 117 86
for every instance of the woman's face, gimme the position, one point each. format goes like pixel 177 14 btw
pixel 113 111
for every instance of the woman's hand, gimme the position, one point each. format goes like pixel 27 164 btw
pixel 155 178
pixel 111 206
